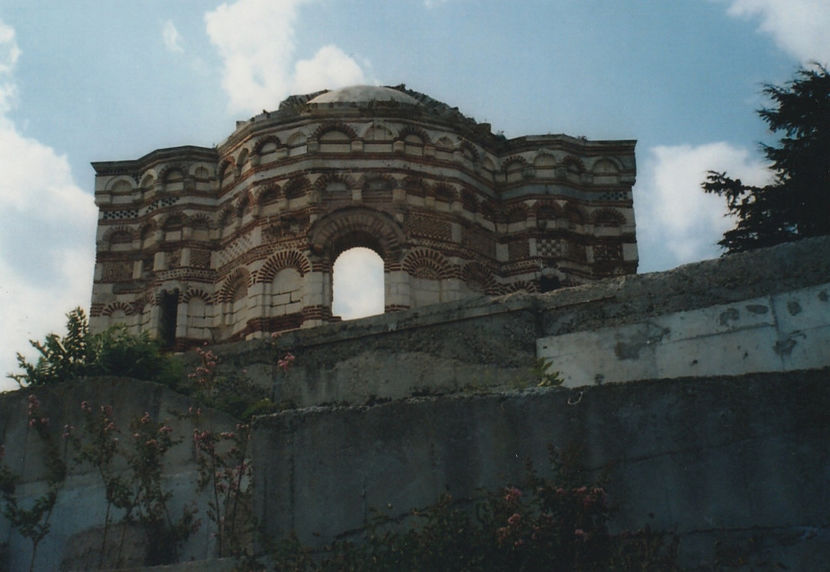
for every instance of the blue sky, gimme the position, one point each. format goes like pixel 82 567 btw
pixel 90 81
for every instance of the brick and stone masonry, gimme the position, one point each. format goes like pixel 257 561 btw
pixel 237 241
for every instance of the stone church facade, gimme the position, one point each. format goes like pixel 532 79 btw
pixel 239 241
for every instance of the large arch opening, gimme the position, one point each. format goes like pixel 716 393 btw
pixel 357 284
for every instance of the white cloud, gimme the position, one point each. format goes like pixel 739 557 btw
pixel 329 67
pixel 799 27
pixel 172 38
pixel 358 284
pixel 47 229
pixel 255 39
pixel 674 215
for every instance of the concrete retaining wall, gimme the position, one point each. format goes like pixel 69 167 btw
pixel 743 461
pixel 783 332
pixel 78 516
pixel 767 310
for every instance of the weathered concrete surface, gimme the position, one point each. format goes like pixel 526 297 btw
pixel 783 332
pixel 729 459
pixel 492 342
pixel 80 509
pixel 440 349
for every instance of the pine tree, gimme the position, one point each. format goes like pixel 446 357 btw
pixel 797 203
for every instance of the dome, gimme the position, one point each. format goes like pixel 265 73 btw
pixel 364 94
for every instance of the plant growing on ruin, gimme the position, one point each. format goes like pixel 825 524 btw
pixel 97 443
pixel 60 357
pixel 235 394
pixel 225 472
pixel 544 376
pixel 557 523
pixel 146 499
pixel 81 354
pixel 34 522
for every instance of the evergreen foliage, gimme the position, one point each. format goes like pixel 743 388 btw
pixel 797 203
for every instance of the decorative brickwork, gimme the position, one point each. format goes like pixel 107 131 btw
pixel 424 263
pixel 200 258
pixel 242 238
pixel 429 227
pixel 286 259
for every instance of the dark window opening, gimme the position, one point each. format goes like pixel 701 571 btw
pixel 169 305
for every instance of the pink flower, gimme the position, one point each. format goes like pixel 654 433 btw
pixel 514 519
pixel 512 494
pixel 286 362
pixel 145 419
pixel 85 406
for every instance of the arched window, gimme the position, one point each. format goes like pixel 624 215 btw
pixel 335 141
pixel 357 284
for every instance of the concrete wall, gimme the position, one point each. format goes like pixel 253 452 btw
pixel 767 310
pixel 783 332
pixel 743 461
pixel 80 509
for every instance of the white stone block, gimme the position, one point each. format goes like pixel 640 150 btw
pixel 791 331
pixel 586 358
pixel 802 309
pixel 729 353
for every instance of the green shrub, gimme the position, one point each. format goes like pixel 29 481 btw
pixel 112 352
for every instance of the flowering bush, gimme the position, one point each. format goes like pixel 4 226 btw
pixel 136 493
pixel 225 472
pixel 546 524
pixel 34 522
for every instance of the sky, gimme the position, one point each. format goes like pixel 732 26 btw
pixel 87 81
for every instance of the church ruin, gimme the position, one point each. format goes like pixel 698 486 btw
pixel 239 241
